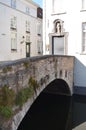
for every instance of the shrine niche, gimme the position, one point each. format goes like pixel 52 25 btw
pixel 58 39
pixel 58 26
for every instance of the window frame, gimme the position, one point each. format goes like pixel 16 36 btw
pixel 39 46
pixel 13 22
pixel 13 39
pixel 13 3
pixel 60 9
pixel 83 38
pixel 83 4
pixel 39 29
pixel 27 38
pixel 27 10
pixel 27 26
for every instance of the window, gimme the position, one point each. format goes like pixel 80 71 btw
pixel 39 29
pixel 58 6
pixel 83 4
pixel 27 39
pixel 84 37
pixel 39 12
pixel 13 3
pixel 13 22
pixel 27 26
pixel 13 41
pixel 27 10
pixel 39 46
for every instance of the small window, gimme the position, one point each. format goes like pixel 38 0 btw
pixel 84 37
pixel 13 41
pixel 13 3
pixel 39 46
pixel 39 29
pixel 83 4
pixel 27 10
pixel 27 26
pixel 13 22
pixel 39 12
pixel 58 6
pixel 27 39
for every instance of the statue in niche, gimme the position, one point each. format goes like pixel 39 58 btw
pixel 58 27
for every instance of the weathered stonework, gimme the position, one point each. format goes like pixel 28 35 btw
pixel 43 69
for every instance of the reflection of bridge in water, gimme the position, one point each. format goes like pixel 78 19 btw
pixel 54 74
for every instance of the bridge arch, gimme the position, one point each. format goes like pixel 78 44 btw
pixel 57 86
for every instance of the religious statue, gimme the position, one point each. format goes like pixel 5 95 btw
pixel 58 27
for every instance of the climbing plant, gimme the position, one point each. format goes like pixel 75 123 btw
pixel 23 95
pixel 8 97
pixel 6 101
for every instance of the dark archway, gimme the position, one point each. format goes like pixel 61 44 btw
pixel 50 110
pixel 58 86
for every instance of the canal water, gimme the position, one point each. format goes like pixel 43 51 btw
pixel 56 112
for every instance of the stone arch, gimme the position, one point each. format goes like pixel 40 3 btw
pixel 58 86
pixel 58 26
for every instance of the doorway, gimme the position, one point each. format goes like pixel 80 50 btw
pixel 58 45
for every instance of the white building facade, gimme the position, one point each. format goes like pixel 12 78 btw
pixel 20 29
pixel 64 25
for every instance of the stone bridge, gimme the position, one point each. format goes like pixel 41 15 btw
pixel 40 72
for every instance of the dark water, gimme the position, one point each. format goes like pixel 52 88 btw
pixel 79 112
pixel 49 112
pixel 55 112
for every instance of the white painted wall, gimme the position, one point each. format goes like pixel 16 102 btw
pixel 73 16
pixel 5 32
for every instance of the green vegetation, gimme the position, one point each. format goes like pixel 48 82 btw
pixel 6 101
pixel 25 64
pixel 32 82
pixel 7 68
pixel 8 97
pixel 6 111
pixel 23 95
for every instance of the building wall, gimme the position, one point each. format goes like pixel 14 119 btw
pixel 73 16
pixel 6 12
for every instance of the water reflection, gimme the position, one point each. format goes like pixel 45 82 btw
pixel 56 112
pixel 49 112
pixel 79 112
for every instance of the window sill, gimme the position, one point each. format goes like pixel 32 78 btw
pixel 83 53
pixel 59 13
pixel 13 28
pixel 83 10
pixel 13 50
pixel 39 34
pixel 27 31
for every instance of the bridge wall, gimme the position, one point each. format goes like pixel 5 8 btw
pixel 43 69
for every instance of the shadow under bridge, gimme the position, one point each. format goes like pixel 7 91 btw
pixel 58 86
pixel 50 109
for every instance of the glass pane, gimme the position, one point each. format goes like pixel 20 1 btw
pixel 13 41
pixel 83 4
pixel 58 6
pixel 27 48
